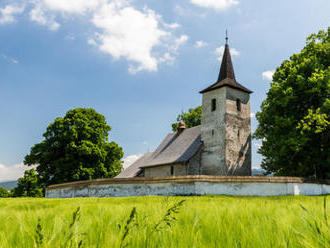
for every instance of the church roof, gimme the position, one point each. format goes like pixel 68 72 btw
pixel 226 75
pixel 175 148
pixel 134 169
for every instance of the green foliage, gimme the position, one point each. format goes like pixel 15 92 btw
pixel 76 147
pixel 4 192
pixel 207 221
pixel 294 122
pixel 192 118
pixel 28 186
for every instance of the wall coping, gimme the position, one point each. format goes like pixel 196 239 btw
pixel 187 179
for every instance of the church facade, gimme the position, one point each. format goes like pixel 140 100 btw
pixel 221 145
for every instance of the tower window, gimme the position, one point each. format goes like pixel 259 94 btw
pixel 238 104
pixel 172 170
pixel 213 104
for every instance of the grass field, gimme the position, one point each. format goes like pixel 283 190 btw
pixel 208 221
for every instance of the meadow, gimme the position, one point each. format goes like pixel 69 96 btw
pixel 158 221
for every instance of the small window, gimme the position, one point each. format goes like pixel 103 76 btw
pixel 213 104
pixel 172 170
pixel 238 104
pixel 238 134
pixel 212 132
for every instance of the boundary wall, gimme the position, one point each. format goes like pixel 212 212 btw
pixel 190 185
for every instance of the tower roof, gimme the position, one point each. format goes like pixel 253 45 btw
pixel 226 69
pixel 226 75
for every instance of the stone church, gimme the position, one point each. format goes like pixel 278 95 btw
pixel 221 145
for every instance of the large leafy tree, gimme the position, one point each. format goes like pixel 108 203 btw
pixel 76 147
pixel 28 186
pixel 191 118
pixel 4 192
pixel 294 120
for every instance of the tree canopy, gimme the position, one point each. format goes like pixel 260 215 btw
pixel 28 186
pixel 191 118
pixel 4 192
pixel 76 147
pixel 294 120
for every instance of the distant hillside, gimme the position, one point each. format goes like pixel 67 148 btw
pixel 258 172
pixel 8 185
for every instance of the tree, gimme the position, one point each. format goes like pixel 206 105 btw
pixel 4 192
pixel 76 147
pixel 192 118
pixel 294 118
pixel 28 186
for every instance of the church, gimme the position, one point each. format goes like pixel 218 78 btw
pixel 221 145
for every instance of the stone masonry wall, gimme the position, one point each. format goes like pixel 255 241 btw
pixel 194 164
pixel 213 133
pixel 238 133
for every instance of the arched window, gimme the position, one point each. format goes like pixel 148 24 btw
pixel 213 104
pixel 238 104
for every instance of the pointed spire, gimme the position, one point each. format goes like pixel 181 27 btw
pixel 226 74
pixel 226 69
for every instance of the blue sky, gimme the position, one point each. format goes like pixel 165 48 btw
pixel 139 63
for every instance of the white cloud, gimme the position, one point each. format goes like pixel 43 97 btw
pixel 123 31
pixel 38 15
pixel 130 160
pixel 72 6
pixel 252 115
pixel 220 50
pixel 129 33
pixel 179 41
pixel 126 32
pixel 200 43
pixel 10 173
pixel 8 12
pixel 172 25
pixel 267 75
pixel 91 42
pixel 10 59
pixel 215 4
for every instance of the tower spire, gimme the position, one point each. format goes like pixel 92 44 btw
pixel 226 69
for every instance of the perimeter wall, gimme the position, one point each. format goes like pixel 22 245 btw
pixel 189 185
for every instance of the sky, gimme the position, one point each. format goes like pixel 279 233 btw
pixel 139 63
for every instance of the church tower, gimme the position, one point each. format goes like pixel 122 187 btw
pixel 226 125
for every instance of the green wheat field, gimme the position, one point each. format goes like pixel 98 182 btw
pixel 158 221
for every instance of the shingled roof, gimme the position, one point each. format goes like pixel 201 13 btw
pixel 175 148
pixel 134 169
pixel 226 75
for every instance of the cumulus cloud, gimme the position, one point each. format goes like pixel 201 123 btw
pixel 220 50
pixel 267 75
pixel 130 160
pixel 7 14
pixel 215 4
pixel 10 173
pixel 130 33
pixel 200 43
pixel 38 15
pixel 73 6
pixel 140 36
